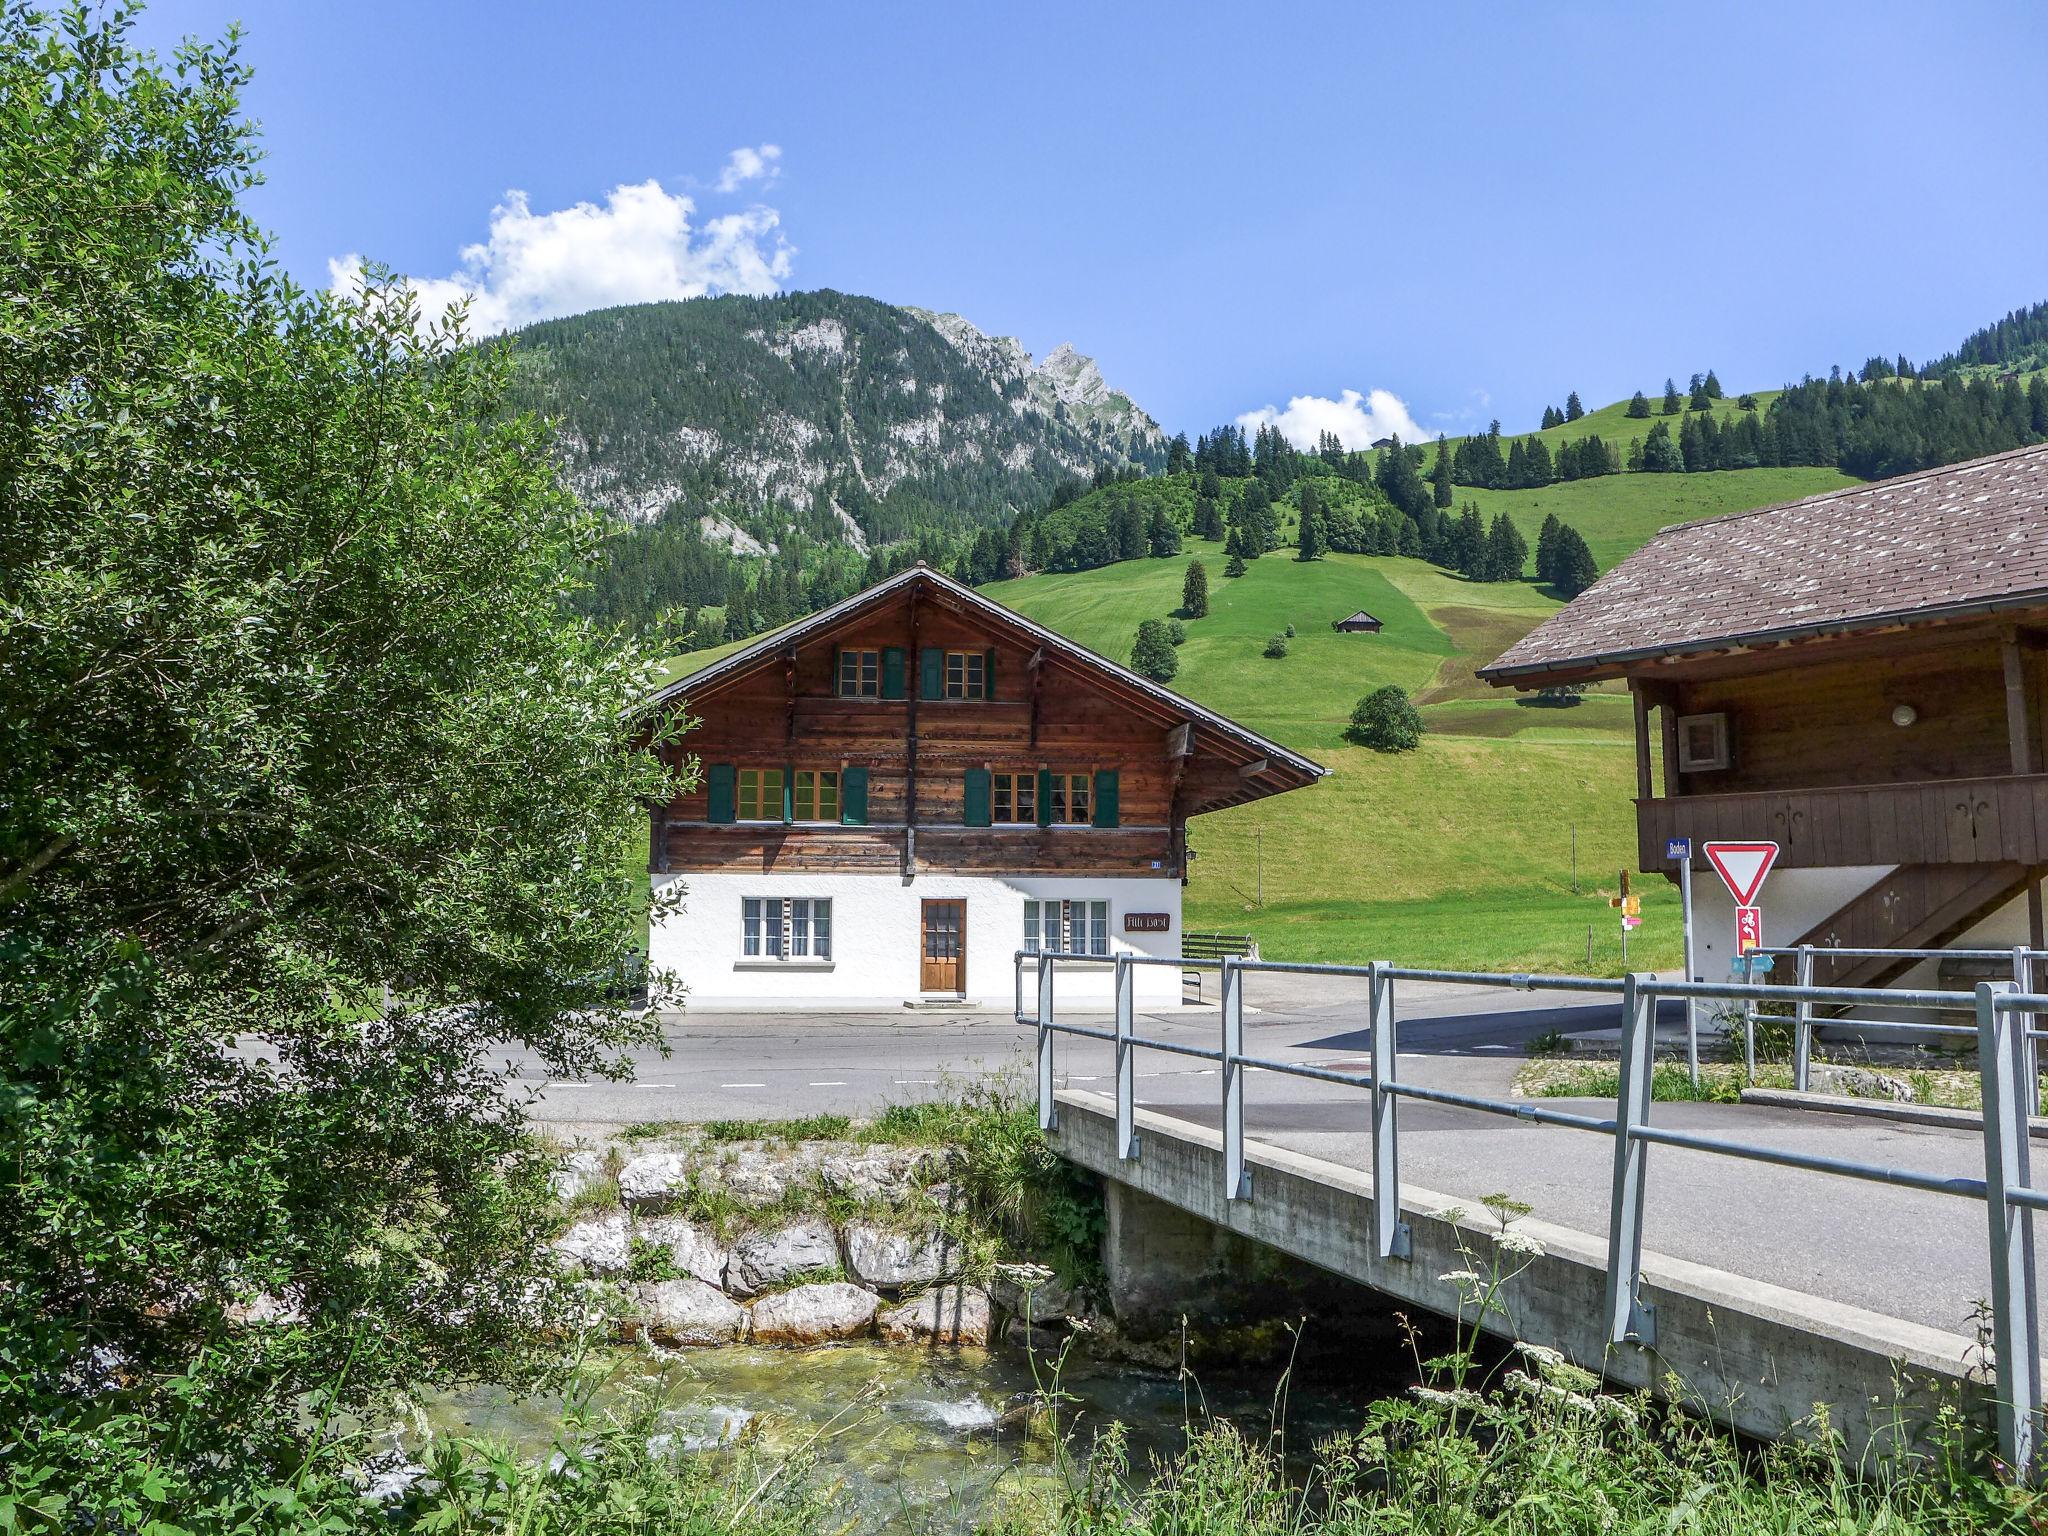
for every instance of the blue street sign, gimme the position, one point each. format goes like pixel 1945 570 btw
pixel 1677 847
pixel 1749 965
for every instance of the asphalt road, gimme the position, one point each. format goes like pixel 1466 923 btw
pixel 1900 1252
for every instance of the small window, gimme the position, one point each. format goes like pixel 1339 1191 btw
pixel 1016 799
pixel 760 794
pixel 1702 743
pixel 778 928
pixel 1073 798
pixel 966 675
pixel 1066 927
pixel 860 674
pixel 815 794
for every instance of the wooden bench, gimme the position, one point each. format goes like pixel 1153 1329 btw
pixel 1212 946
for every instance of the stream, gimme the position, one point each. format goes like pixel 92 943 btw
pixel 928 1447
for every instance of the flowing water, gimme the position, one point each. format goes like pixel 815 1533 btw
pixel 914 1441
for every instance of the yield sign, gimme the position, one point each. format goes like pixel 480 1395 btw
pixel 1742 867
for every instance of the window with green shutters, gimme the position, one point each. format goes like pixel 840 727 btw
pixel 718 792
pixel 1108 791
pixel 894 672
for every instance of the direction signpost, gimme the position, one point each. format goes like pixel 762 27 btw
pixel 1680 848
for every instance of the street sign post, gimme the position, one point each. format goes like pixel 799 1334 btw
pixel 1742 867
pixel 1680 848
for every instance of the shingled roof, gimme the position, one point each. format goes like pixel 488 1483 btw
pixel 1944 543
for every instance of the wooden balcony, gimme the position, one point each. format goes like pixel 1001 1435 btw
pixel 1951 821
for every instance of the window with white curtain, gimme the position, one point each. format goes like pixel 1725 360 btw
pixel 1062 926
pixel 786 928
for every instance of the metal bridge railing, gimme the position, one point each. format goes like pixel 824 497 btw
pixel 2021 959
pixel 2007 1038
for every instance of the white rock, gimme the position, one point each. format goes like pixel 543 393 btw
pixel 653 1178
pixel 577 1172
pixel 677 1312
pixel 950 1314
pixel 756 1177
pixel 879 1173
pixel 814 1314
pixel 600 1246
pixel 768 1258
pixel 883 1258
pixel 690 1248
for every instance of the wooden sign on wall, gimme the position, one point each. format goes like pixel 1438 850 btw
pixel 1147 922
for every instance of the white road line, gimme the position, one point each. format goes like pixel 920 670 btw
pixel 743 1085
pixel 917 1082
pixel 1084 1079
pixel 651 1085
pixel 835 1083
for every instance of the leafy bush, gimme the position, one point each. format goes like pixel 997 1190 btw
pixel 1386 721
pixel 1176 632
pixel 1277 646
pixel 1152 654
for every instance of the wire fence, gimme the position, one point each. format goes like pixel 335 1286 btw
pixel 2005 1027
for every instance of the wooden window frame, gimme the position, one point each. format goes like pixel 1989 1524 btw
pixel 759 797
pixel 1022 792
pixel 972 681
pixel 865 663
pixel 817 816
pixel 1060 809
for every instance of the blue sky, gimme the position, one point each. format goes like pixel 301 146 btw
pixel 1473 208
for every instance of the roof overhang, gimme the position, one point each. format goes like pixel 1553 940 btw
pixel 1597 666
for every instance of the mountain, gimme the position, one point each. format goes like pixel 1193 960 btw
pixel 822 418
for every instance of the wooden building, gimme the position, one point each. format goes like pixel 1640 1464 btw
pixel 901 791
pixel 1857 677
pixel 1360 623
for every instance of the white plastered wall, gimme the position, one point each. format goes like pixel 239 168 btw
pixel 876 931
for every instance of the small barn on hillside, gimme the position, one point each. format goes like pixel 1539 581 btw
pixel 1360 623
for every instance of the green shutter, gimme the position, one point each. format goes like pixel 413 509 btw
pixel 788 793
pixel 853 797
pixel 931 671
pixel 892 673
pixel 977 814
pixel 1045 797
pixel 718 792
pixel 988 675
pixel 1107 792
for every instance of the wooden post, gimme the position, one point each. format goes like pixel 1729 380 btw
pixel 1637 691
pixel 2018 727
pixel 1668 718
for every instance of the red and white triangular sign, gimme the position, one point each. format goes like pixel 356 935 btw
pixel 1742 867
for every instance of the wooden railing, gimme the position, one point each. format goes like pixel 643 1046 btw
pixel 1948 821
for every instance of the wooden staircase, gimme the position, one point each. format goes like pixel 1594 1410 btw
pixel 1916 906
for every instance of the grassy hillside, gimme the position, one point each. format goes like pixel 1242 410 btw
pixel 1460 853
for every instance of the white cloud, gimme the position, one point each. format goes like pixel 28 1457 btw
pixel 639 247
pixel 1358 420
pixel 745 165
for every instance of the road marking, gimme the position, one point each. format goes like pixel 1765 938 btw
pixel 1084 1079
pixel 652 1085
pixel 834 1083
pixel 743 1085
pixel 916 1082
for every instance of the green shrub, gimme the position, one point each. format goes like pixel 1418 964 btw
pixel 1277 646
pixel 1386 721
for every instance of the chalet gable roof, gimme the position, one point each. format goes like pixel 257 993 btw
pixel 769 648
pixel 1943 543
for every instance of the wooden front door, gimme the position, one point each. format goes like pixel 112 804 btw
pixel 943 947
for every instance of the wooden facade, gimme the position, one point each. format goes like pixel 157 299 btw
pixel 980 694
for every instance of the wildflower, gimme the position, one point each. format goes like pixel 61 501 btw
pixel 1458 1277
pixel 1456 1397
pixel 1519 1243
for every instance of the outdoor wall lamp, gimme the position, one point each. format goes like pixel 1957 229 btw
pixel 1904 715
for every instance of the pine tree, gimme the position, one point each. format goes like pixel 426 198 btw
pixel 1506 550
pixel 1162 538
pixel 1194 591
pixel 1551 417
pixel 1440 476
pixel 1178 456
pixel 1572 409
pixel 1697 398
pixel 1311 536
pixel 1572 567
pixel 1234 545
pixel 1546 547
pixel 1713 384
pixel 1234 566
pixel 1471 544
pixel 1639 406
pixel 1672 403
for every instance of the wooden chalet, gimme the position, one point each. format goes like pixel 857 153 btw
pixel 1857 677
pixel 899 792
pixel 1360 623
